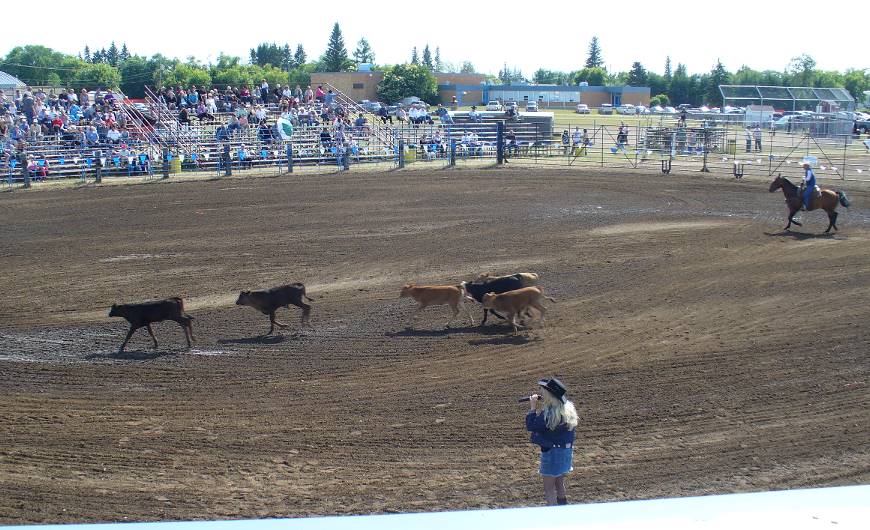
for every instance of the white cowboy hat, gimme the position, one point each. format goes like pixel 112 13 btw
pixel 810 161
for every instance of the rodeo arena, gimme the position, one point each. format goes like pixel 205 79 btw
pixel 276 307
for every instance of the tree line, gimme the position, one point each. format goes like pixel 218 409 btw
pixel 284 64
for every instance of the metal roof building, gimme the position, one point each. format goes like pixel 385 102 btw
pixel 788 98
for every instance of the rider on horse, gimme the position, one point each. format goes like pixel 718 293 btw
pixel 808 187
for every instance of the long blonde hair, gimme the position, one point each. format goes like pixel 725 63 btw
pixel 556 413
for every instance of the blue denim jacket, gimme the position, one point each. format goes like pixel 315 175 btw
pixel 545 437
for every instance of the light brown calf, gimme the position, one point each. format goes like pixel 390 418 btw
pixel 426 295
pixel 513 303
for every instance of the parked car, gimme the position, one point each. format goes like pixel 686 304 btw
pixel 582 108
pixel 658 109
pixel 370 106
pixel 640 109
pixel 684 106
pixel 626 109
pixel 532 106
pixel 494 105
pixel 784 121
pixel 606 108
pixel 862 126
pixel 670 110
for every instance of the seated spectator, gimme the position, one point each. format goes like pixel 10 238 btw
pixel 510 138
pixel 221 134
pixel 384 114
pixel 319 94
pixel 113 136
pixel 361 124
pixel 91 136
pixel 444 115
pixel 401 115
pixel 244 157
pixel 325 139
pixel 474 116
pixel 183 116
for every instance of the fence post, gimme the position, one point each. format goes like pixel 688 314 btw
pixel 452 152
pixel 845 142
pixel 499 143
pixel 601 147
pixel 401 154
pixel 290 157
pixel 165 163
pixel 99 163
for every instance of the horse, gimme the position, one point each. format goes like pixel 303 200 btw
pixel 827 201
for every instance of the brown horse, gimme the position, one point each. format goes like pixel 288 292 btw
pixel 827 202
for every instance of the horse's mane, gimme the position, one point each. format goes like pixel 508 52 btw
pixel 785 181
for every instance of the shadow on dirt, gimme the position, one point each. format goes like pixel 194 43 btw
pixel 801 236
pixel 505 340
pixel 259 339
pixel 477 330
pixel 132 355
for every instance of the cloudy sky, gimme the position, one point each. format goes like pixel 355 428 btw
pixel 525 35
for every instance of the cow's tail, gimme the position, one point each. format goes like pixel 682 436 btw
pixel 302 289
pixel 464 292
pixel 180 302
pixel 843 199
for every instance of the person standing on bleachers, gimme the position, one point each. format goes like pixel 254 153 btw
pixel 264 91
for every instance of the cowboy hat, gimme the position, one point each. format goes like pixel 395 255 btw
pixel 555 387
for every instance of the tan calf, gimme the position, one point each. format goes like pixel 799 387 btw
pixel 426 295
pixel 513 303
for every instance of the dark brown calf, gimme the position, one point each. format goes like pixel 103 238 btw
pixel 270 300
pixel 146 313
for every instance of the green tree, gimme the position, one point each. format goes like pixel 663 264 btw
pixel 681 85
pixel 593 76
pixel 427 58
pixel 718 76
pixel 856 82
pixel 637 76
pixel 287 57
pixel 659 99
pixel 467 68
pixel 136 72
pixel 86 56
pixel 549 77
pixel 801 70
pixel 364 52
pixel 594 59
pixel 405 80
pixel 97 76
pixel 38 65
pixel 112 55
pixel 266 53
pixel 656 83
pixel 335 58
pixel 438 64
pixel 299 56
pixel 415 59
pixel 184 75
pixel 125 53
pixel 669 74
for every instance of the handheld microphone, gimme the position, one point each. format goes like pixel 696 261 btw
pixel 525 399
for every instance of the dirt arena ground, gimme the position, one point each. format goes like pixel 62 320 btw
pixel 706 350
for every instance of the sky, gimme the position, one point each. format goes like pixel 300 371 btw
pixel 524 35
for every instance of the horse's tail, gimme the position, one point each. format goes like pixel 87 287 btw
pixel 843 199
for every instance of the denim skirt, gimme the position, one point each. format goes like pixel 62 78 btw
pixel 557 461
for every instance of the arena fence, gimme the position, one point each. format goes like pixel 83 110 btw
pixel 655 146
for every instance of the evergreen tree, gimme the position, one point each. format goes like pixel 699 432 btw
pixel 427 59
pixel 718 76
pixel 594 60
pixel 299 57
pixel 415 59
pixel 253 56
pixel 668 73
pixel 637 76
pixel 112 55
pixel 364 52
pixel 287 58
pixel 438 64
pixel 87 54
pixel 335 59
pixel 681 85
pixel 125 53
pixel 467 68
